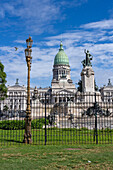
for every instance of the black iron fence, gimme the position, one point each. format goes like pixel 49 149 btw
pixel 59 118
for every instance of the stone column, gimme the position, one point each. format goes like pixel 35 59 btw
pixel 87 77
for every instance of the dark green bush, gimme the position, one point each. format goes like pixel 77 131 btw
pixel 12 124
pixel 106 130
pixel 38 123
pixel 83 129
pixel 20 124
pixel 69 129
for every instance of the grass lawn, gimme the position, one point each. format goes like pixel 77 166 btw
pixel 32 157
pixel 57 136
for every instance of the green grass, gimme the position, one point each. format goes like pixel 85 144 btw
pixel 56 157
pixel 56 136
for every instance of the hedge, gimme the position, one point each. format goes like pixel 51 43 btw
pixel 20 124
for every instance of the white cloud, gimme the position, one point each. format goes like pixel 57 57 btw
pixel 98 42
pixel 75 42
pixel 20 41
pixel 73 3
pixel 36 16
pixel 104 24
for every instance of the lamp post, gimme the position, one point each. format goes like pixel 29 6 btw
pixel 28 51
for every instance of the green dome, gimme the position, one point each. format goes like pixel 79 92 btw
pixel 61 57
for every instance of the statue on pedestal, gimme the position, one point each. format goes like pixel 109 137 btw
pixel 87 61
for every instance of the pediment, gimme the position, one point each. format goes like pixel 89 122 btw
pixel 64 91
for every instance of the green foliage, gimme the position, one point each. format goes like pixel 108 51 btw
pixel 83 129
pixel 69 129
pixel 5 108
pixel 106 130
pixel 3 88
pixel 38 123
pixel 20 124
pixel 12 124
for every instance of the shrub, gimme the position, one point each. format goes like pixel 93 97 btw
pixel 83 129
pixel 20 124
pixel 106 130
pixel 69 129
pixel 38 123
pixel 12 124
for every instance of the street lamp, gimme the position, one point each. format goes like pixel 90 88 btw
pixel 28 51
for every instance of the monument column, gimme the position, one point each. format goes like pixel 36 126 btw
pixel 87 74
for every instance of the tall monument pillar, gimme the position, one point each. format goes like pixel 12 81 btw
pixel 87 74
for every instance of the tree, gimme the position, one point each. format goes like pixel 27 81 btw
pixel 3 88
pixel 5 109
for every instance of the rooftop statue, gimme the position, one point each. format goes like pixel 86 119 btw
pixel 87 61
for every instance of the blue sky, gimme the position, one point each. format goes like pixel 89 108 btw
pixel 81 24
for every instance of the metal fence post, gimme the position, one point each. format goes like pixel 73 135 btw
pixel 45 121
pixel 96 132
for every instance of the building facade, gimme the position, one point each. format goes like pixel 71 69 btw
pixel 62 93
